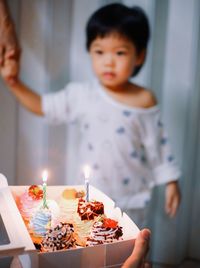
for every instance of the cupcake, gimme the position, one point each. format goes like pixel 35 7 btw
pixel 54 210
pixel 68 203
pixel 104 231
pixel 87 212
pixel 29 201
pixel 40 223
pixel 58 238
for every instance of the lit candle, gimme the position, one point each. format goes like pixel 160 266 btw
pixel 87 172
pixel 44 179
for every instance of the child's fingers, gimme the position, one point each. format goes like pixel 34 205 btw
pixel 172 207
pixel 9 71
pixel 11 80
pixel 10 68
pixel 168 205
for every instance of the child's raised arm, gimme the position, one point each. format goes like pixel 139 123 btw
pixel 28 98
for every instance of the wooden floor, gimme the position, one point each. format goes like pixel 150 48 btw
pixel 186 264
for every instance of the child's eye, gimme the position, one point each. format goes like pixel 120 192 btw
pixel 98 52
pixel 121 53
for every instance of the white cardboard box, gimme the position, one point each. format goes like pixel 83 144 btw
pixel 107 255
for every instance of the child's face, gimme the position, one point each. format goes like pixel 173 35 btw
pixel 114 59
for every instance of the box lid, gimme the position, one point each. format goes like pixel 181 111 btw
pixel 14 237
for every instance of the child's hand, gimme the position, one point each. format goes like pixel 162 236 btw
pixel 172 198
pixel 9 71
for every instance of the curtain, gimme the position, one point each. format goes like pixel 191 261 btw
pixel 50 36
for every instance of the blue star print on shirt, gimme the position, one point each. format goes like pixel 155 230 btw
pixel 144 181
pixel 134 154
pixel 143 159
pixel 120 130
pixel 126 181
pixel 163 141
pixel 96 166
pixel 170 158
pixel 126 113
pixel 86 126
pixel 90 147
pixel 160 124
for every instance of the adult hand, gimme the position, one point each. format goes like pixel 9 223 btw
pixel 9 46
pixel 141 247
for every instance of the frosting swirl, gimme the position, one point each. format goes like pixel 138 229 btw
pixel 41 222
pixel 103 234
pixel 58 238
pixel 27 205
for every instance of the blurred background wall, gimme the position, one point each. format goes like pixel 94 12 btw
pixel 52 38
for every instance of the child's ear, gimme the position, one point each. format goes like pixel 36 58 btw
pixel 141 57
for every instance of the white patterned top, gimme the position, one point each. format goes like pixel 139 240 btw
pixel 127 148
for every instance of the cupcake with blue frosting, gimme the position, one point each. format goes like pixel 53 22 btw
pixel 40 222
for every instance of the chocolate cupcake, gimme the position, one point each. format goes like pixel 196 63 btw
pixel 89 210
pixel 58 238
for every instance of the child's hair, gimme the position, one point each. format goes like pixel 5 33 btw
pixel 131 23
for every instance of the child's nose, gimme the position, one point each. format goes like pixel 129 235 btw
pixel 109 60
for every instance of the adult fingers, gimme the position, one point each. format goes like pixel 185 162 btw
pixel 141 244
pixel 12 53
pixel 136 259
pixel 1 55
pixel 147 265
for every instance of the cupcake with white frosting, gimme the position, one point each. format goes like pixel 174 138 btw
pixel 104 231
pixel 68 203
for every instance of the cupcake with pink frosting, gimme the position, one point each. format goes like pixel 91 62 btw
pixel 29 201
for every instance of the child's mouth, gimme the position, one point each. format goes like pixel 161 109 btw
pixel 108 75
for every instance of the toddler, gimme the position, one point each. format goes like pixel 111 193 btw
pixel 122 135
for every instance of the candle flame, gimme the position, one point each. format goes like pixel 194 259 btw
pixel 86 172
pixel 44 175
